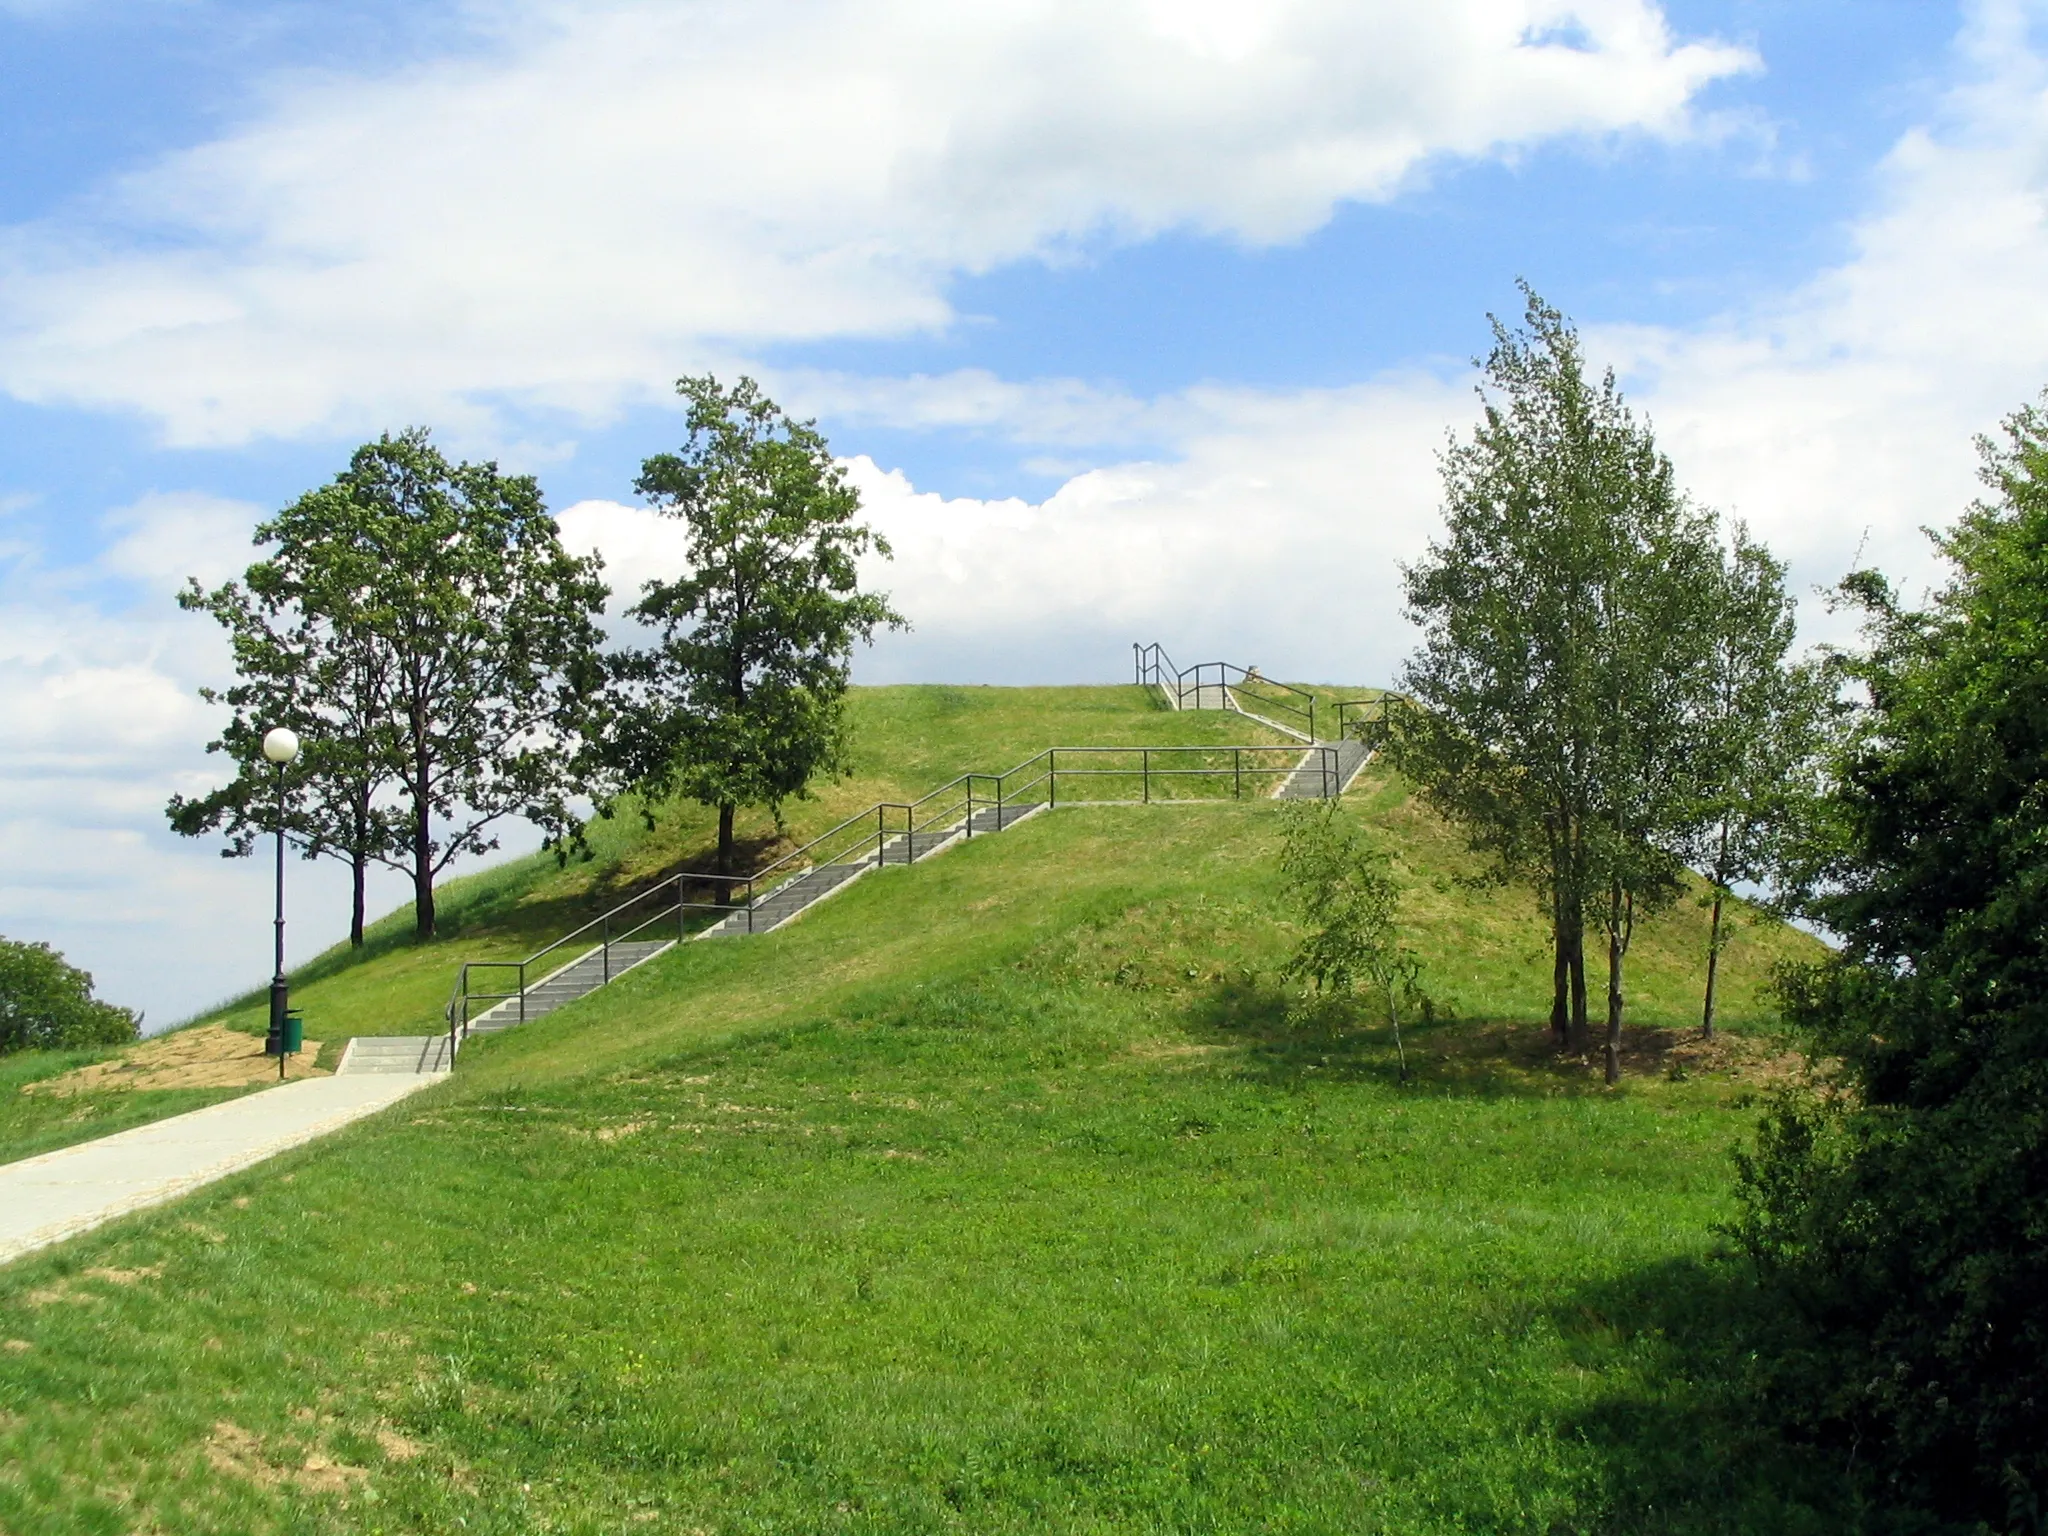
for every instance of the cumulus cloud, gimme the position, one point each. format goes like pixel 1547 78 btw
pixel 560 217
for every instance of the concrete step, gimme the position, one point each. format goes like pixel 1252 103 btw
pixel 394 1054
pixel 1315 777
pixel 578 978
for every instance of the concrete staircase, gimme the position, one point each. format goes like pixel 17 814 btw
pixel 396 1054
pixel 579 978
pixel 1308 781
pixel 801 892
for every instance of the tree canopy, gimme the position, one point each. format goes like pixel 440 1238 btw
pixel 741 701
pixel 47 1003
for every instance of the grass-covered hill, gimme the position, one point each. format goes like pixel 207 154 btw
pixel 1008 1192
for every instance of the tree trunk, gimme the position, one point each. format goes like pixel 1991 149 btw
pixel 725 849
pixel 1714 934
pixel 1577 940
pixel 1615 950
pixel 422 870
pixel 1713 964
pixel 359 864
pixel 1560 983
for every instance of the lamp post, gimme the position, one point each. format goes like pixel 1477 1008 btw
pixel 280 746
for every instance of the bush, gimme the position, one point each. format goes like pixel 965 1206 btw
pixel 46 1004
pixel 1903 1219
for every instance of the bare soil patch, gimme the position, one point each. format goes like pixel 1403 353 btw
pixel 205 1056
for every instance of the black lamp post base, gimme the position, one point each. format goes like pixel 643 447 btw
pixel 280 1001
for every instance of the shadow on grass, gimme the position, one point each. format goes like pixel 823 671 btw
pixel 1687 1443
pixel 1292 1038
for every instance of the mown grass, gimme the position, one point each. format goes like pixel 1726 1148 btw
pixel 1007 1193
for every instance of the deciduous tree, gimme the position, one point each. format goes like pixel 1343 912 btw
pixel 306 659
pixel 741 702
pixel 1544 710
pixel 423 628
pixel 1903 1219
pixel 47 1004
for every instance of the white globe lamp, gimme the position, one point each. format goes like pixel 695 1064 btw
pixel 281 746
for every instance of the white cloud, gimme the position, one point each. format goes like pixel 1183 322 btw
pixel 613 192
pixel 1850 404
pixel 1277 527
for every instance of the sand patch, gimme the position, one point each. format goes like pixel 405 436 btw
pixel 205 1056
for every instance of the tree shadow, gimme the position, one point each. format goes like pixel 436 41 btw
pixel 1291 1040
pixel 1684 1440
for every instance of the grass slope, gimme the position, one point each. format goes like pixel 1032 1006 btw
pixel 1007 1193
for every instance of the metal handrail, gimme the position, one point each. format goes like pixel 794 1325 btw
pixel 1151 665
pixel 875 828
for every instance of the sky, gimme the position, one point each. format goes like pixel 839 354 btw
pixel 1133 320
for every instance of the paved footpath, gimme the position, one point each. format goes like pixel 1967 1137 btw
pixel 46 1199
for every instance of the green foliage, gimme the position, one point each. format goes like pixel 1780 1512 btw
pixel 742 702
pixel 1556 705
pixel 423 629
pixel 1904 1218
pixel 1345 890
pixel 47 1004
pixel 1764 729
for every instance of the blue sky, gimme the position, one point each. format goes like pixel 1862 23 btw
pixel 1135 319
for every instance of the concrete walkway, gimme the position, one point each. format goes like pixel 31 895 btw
pixel 60 1194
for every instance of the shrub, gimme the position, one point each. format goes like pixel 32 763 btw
pixel 1903 1220
pixel 46 1004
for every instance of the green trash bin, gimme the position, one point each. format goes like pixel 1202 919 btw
pixel 294 1032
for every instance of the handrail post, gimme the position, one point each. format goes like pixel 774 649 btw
pixel 682 919
pixel 999 802
pixel 1052 777
pixel 607 949
pixel 1145 774
pixel 1236 773
pixel 522 991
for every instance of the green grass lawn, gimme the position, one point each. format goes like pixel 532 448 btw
pixel 1005 1193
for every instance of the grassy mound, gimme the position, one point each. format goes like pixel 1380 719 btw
pixel 1005 1193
